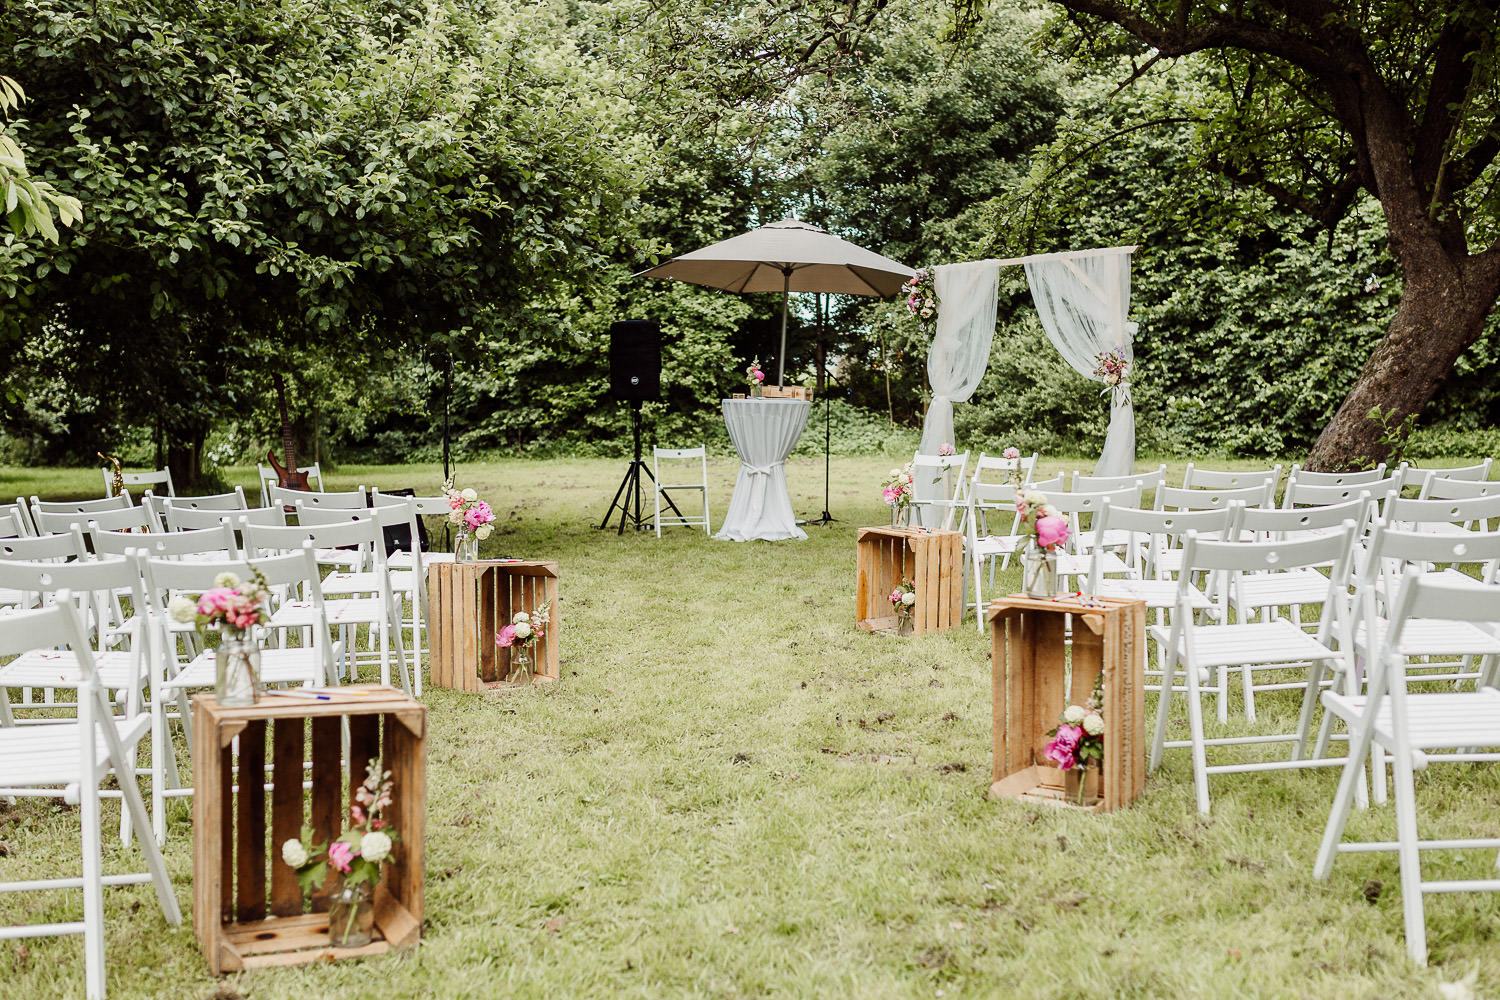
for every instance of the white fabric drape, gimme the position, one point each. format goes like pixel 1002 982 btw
pixel 1083 300
pixel 960 352
pixel 764 432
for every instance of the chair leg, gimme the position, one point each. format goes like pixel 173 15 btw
pixel 1164 704
pixel 1195 733
pixel 1410 858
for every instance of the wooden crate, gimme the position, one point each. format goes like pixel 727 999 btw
pixel 786 392
pixel 1029 654
pixel 470 602
pixel 241 928
pixel 931 560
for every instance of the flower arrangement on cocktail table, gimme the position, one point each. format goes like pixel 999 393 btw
pixel 356 855
pixel 233 607
pixel 921 295
pixel 1078 740
pixel 755 377
pixel 903 598
pixel 520 637
pixel 472 517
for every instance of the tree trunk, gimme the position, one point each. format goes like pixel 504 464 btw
pixel 1443 309
pixel 184 458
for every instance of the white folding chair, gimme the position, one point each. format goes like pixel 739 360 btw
pixel 1076 559
pixel 1411 475
pixel 46 548
pixel 939 488
pixel 124 519
pixel 269 478
pixel 135 480
pixel 311 663
pixel 75 507
pixel 1143 481
pixel 13 524
pixel 190 519
pixel 1192 646
pixel 354 499
pixel 433 506
pixel 1414 729
pixel 1442 517
pixel 74 758
pixel 680 470
pixel 20 511
pixel 1437 488
pixel 361 534
pixel 233 500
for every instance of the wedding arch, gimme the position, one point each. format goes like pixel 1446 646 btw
pixel 1082 298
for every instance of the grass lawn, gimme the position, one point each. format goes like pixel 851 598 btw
pixel 734 792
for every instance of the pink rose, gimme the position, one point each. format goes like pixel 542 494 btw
pixel 341 855
pixel 1051 531
pixel 1011 453
pixel 1063 746
pixel 506 636
pixel 945 449
pixel 760 376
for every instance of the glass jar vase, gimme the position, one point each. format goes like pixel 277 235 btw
pixel 237 669
pixel 465 547
pixel 1038 571
pixel 351 916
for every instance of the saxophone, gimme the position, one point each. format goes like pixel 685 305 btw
pixel 117 480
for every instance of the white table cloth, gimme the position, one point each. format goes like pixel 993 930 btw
pixel 764 432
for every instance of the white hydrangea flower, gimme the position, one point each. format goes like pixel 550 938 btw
pixel 375 847
pixel 183 609
pixel 523 630
pixel 293 853
pixel 909 598
pixel 483 531
pixel 1073 715
pixel 226 580
pixel 520 616
pixel 1093 724
pixel 455 518
pixel 469 494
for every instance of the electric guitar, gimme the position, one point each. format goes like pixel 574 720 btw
pixel 287 476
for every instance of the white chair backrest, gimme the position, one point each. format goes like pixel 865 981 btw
pixel 11 525
pixel 435 506
pixel 1194 478
pixel 1281 524
pixel 61 547
pixel 109 520
pixel 234 500
pixel 160 478
pixel 1389 552
pixel 1181 498
pixel 1076 505
pixel 296 568
pixel 346 500
pixel 1159 530
pixel 187 519
pixel 1047 486
pixel 1364 477
pixel 362 531
pixel 998 469
pixel 1399 510
pixel 1141 481
pixel 938 482
pixel 121 502
pixel 1300 494
pixel 1421 595
pixel 1436 488
pixel 55 626
pixel 1412 475
pixel 166 544
pixel 94 581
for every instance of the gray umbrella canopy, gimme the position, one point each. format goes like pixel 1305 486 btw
pixel 787 256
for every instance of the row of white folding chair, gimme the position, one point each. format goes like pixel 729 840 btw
pixel 1195 478
pixel 994 472
pixel 74 758
pixel 1414 730
pixel 269 478
pixel 1437 488
pixel 1455 516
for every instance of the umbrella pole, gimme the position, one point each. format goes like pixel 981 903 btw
pixel 786 287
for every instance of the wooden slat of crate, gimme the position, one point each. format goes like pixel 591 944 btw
pixel 470 602
pixel 382 722
pixel 931 560
pixel 1028 661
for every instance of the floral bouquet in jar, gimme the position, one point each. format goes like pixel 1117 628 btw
pixel 521 636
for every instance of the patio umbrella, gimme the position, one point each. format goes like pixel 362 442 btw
pixel 787 256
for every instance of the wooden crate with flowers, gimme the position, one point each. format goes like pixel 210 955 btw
pixel 494 622
pixel 909 580
pixel 1069 710
pixel 346 877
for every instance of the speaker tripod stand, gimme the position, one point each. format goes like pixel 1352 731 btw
pixel 630 486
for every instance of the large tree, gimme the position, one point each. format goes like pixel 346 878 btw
pixel 1318 99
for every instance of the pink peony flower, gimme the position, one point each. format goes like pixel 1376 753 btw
pixel 945 449
pixel 760 376
pixel 1051 531
pixel 506 636
pixel 1011 453
pixel 1062 748
pixel 479 514
pixel 341 855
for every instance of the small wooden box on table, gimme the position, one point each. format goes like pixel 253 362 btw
pixel 231 861
pixel 1029 655
pixel 470 602
pixel 931 560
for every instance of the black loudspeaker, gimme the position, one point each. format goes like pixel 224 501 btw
pixel 635 360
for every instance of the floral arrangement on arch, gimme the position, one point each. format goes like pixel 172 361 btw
pixel 1013 474
pixel 921 295
pixel 467 512
pixel 1113 368
pixel 360 850
pixel 898 489
pixel 524 630
pixel 1078 740
pixel 228 604
pixel 1041 521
